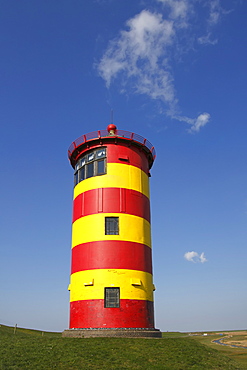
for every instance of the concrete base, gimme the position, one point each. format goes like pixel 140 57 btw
pixel 112 332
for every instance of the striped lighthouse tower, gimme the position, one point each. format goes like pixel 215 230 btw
pixel 111 284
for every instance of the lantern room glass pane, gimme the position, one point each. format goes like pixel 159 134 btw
pixel 90 168
pixel 82 174
pixel 91 164
pixel 101 167
pixel 91 157
pixel 101 153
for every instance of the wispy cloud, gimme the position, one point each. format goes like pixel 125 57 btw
pixel 207 39
pixel 136 52
pixel 195 257
pixel 196 123
pixel 215 13
pixel 178 8
pixel 140 58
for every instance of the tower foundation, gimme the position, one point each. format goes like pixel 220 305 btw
pixel 113 332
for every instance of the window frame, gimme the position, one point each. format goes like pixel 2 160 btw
pixel 111 221
pixel 110 298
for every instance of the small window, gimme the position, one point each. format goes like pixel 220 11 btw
pixel 111 225
pixel 112 297
pixel 91 157
pixel 82 174
pixel 101 167
pixel 90 167
pixel 101 153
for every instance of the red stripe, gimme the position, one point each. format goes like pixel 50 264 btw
pixel 128 155
pixel 111 200
pixel 130 314
pixel 111 254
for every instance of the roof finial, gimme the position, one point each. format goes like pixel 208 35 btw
pixel 111 128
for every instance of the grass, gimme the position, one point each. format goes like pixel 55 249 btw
pixel 173 334
pixel 29 349
pixel 237 354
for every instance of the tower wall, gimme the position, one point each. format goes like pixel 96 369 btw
pixel 111 283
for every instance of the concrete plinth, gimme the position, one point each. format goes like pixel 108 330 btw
pixel 113 332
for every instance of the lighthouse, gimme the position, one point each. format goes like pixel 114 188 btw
pixel 111 283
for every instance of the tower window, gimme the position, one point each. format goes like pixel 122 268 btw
pixel 100 167
pixel 111 225
pixel 90 169
pixel 81 173
pixel 112 297
pixel 92 164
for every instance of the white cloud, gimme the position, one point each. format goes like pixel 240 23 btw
pixel 138 53
pixel 195 257
pixel 206 39
pixel 215 12
pixel 199 122
pixel 202 258
pixel 214 17
pixel 196 123
pixel 190 255
pixel 140 58
pixel 178 8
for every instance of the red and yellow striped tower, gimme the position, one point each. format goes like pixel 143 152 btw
pixel 111 285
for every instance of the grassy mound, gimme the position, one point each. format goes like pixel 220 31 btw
pixel 30 349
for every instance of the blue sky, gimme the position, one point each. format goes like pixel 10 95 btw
pixel 172 71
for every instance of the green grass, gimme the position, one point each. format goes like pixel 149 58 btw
pixel 173 334
pixel 237 354
pixel 29 349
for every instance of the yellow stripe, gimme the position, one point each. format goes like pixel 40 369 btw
pixel 118 176
pixel 111 278
pixel 92 228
